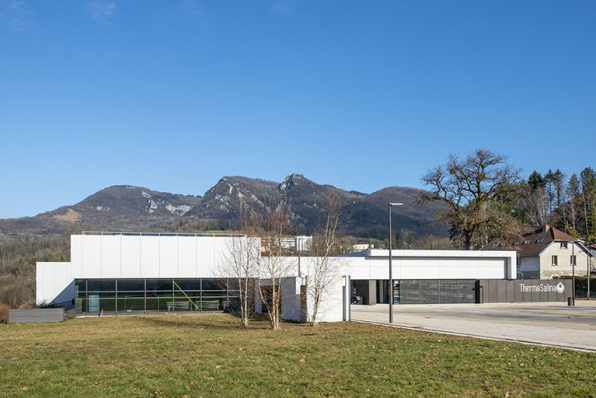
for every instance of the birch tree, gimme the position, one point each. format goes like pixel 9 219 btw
pixel 323 271
pixel 241 261
pixel 274 268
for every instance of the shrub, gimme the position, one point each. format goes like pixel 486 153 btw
pixel 4 313
pixel 15 295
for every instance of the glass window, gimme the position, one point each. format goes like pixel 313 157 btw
pixel 184 303
pixel 409 291
pixel 131 295
pixel 214 300
pixel 189 284
pixel 563 245
pixel 214 284
pixel 159 285
pixel 187 295
pixel 233 284
pixel 429 291
pixel 573 260
pixel 102 285
pixel 159 295
pixel 131 285
pixel 80 295
pixel 101 295
pixel 466 291
pixel 555 260
pixel 448 291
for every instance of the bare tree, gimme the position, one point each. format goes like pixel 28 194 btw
pixel 241 261
pixel 433 242
pixel 274 268
pixel 535 204
pixel 573 206
pixel 472 188
pixel 323 271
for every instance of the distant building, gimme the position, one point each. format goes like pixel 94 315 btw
pixel 544 252
pixel 295 244
pixel 303 243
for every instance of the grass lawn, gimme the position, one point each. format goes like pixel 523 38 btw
pixel 208 355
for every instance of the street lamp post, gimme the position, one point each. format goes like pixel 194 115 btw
pixel 390 266
pixel 573 272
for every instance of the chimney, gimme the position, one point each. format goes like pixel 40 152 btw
pixel 545 228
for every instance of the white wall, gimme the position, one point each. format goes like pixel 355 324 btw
pixel 290 298
pixel 147 256
pixel 53 283
pixel 332 306
pixel 432 264
pixel 564 267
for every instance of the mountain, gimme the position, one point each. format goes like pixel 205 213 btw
pixel 368 213
pixel 129 208
pixel 120 207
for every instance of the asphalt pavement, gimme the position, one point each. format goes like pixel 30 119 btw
pixel 551 324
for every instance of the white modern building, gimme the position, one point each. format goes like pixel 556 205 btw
pixel 116 272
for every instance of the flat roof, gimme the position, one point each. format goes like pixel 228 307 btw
pixel 433 253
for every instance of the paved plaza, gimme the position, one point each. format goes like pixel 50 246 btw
pixel 552 324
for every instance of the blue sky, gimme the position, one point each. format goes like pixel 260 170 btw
pixel 173 95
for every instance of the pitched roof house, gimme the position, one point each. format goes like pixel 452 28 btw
pixel 544 252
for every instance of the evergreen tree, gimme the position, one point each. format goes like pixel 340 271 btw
pixel 536 180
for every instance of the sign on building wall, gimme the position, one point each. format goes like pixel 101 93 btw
pixel 522 291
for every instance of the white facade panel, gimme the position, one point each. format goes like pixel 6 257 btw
pixel 430 264
pixel 111 256
pixel 147 256
pixel 458 271
pixel 220 248
pixel 131 257
pixel 331 307
pixel 150 256
pixel 54 283
pixel 205 256
pixel 492 269
pixel 91 258
pixel 422 271
pixel 39 282
pixel 76 255
pixel 187 257
pixel 168 256
pixel 290 299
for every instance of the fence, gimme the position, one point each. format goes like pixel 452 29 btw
pixel 39 315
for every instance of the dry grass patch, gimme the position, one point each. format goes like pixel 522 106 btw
pixel 208 355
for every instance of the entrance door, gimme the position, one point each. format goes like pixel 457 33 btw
pixel 396 291
pixel 94 303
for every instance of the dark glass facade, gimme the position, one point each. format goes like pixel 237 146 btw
pixel 414 291
pixel 437 291
pixel 153 295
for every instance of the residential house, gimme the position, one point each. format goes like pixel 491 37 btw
pixel 544 252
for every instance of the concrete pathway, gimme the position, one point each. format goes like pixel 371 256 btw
pixel 550 324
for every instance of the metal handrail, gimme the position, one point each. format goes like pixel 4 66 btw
pixel 64 304
pixel 193 234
